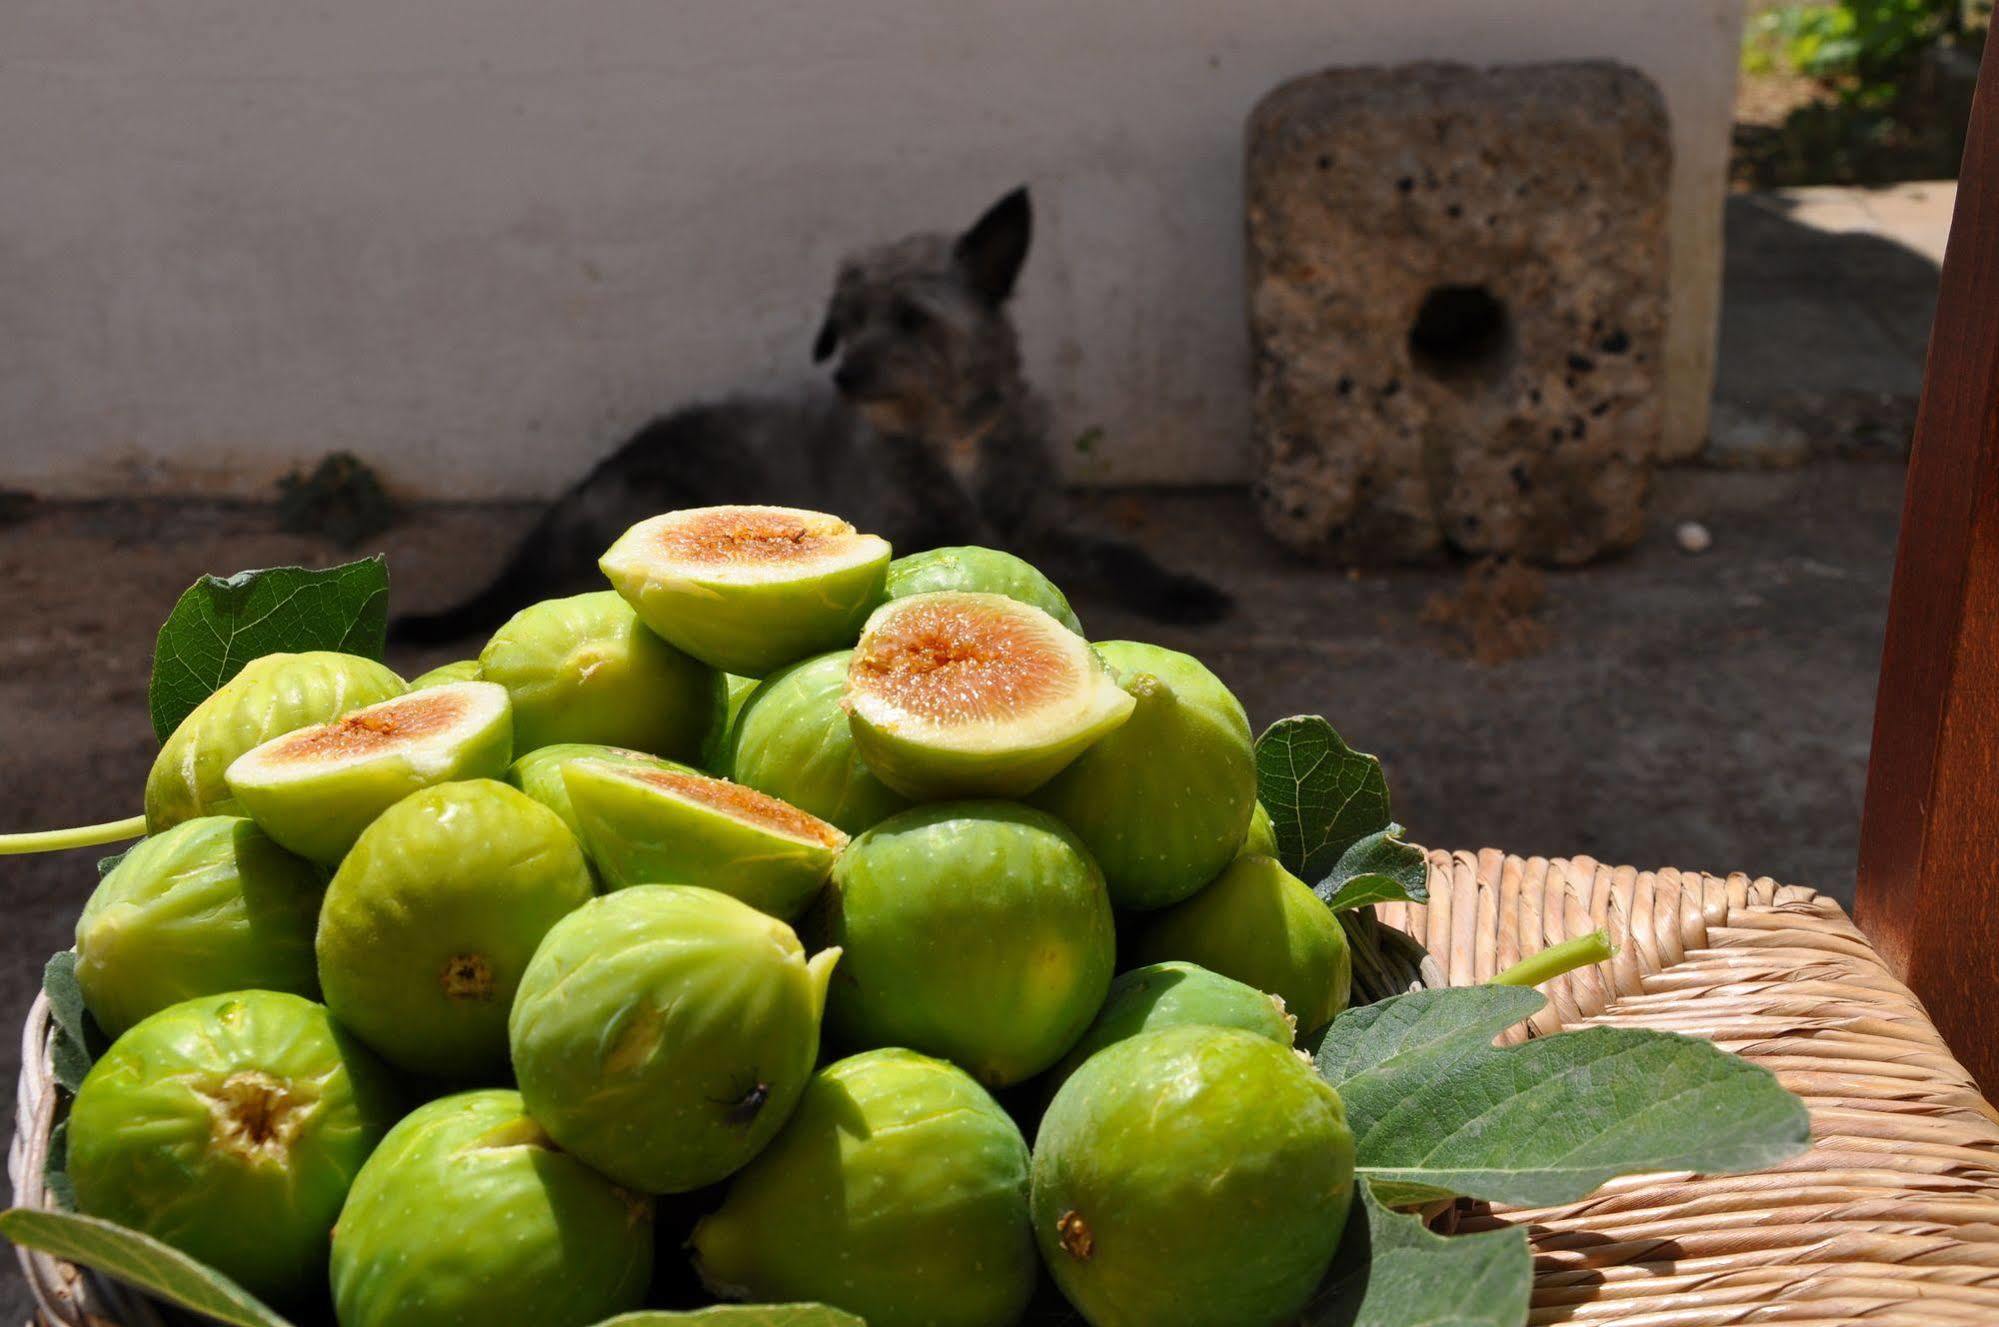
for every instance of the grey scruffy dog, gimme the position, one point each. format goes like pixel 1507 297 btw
pixel 933 439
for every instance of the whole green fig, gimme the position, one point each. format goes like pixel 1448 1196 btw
pixel 458 670
pixel 583 669
pixel 1261 841
pixel 715 751
pixel 792 741
pixel 1192 1177
pixel 977 931
pixel 273 694
pixel 897 1192
pixel 663 1033
pixel 433 916
pixel 1163 801
pixel 1167 995
pixel 211 905
pixel 981 570
pixel 230 1127
pixel 469 1214
pixel 1259 924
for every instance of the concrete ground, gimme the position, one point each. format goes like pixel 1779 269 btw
pixel 1707 711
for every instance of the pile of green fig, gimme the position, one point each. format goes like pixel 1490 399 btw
pixel 788 923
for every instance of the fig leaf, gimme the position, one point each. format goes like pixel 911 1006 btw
pixel 739 1315
pixel 1322 795
pixel 1392 1270
pixel 75 1040
pixel 139 1260
pixel 1437 1110
pixel 221 623
pixel 1381 868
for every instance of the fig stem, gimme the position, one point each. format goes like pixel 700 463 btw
pixel 1555 960
pixel 80 836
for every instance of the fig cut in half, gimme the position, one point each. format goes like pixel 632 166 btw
pixel 316 789
pixel 958 694
pixel 646 826
pixel 749 589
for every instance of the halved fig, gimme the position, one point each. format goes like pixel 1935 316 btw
pixel 958 694
pixel 749 589
pixel 316 789
pixel 671 827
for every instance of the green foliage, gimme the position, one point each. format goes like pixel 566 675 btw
pixel 141 1261
pixel 1322 795
pixel 1392 1271
pixel 1380 868
pixel 220 624
pixel 1872 41
pixel 1437 1111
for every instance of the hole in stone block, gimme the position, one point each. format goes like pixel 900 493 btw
pixel 1462 333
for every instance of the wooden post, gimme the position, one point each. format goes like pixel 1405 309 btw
pixel 1928 892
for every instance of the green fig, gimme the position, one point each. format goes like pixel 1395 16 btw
pixel 1163 803
pixel 468 1214
pixel 984 571
pixel 1192 1177
pixel 584 669
pixel 792 741
pixel 1261 841
pixel 316 789
pixel 715 751
pixel 458 670
pixel 1259 924
pixel 538 773
pixel 273 694
pixel 433 916
pixel 209 906
pixel 749 589
pixel 968 695
pixel 1164 995
pixel 230 1127
pixel 669 827
pixel 663 1033
pixel 976 931
pixel 898 1192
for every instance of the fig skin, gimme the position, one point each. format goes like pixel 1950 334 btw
pixel 230 1127
pixel 1192 1177
pixel 209 906
pixel 984 570
pixel 1163 995
pixel 975 931
pixel 932 758
pixel 898 1192
pixel 1164 801
pixel 1259 924
pixel 584 669
pixel 792 741
pixel 538 773
pixel 468 1214
pixel 715 752
pixel 1261 841
pixel 458 670
pixel 433 916
pixel 740 625
pixel 663 1033
pixel 272 695
pixel 639 834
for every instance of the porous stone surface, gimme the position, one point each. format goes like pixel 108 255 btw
pixel 1457 300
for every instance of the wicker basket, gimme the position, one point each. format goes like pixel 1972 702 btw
pixel 1891 1218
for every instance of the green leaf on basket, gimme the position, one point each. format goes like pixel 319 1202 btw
pixel 740 1315
pixel 1381 868
pixel 1393 1271
pixel 1322 795
pixel 1437 1110
pixel 221 623
pixel 138 1260
pixel 55 1168
pixel 75 1041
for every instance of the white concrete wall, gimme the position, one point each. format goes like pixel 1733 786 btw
pixel 477 241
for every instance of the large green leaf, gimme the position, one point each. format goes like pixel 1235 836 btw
pixel 1381 868
pixel 1322 795
pixel 740 1315
pixel 140 1261
pixel 1393 1271
pixel 220 624
pixel 1437 1110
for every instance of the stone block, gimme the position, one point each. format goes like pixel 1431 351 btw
pixel 1457 287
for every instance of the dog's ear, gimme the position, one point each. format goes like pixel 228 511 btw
pixel 828 340
pixel 990 254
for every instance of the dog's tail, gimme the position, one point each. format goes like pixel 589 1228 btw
pixel 546 562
